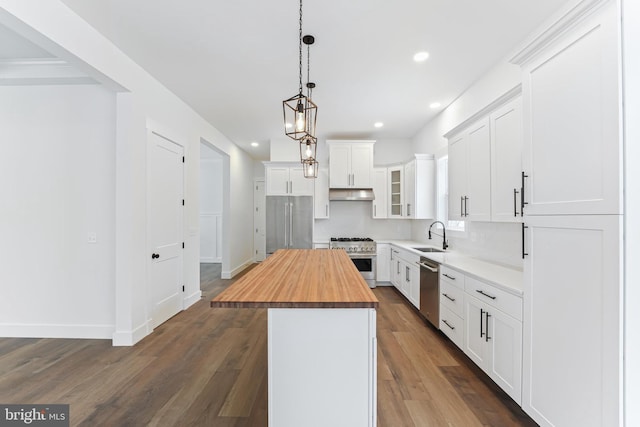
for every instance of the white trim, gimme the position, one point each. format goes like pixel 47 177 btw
pixel 231 274
pixel 129 338
pixel 41 330
pixel 497 103
pixel 555 29
pixel 192 299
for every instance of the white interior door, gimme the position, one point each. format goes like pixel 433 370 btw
pixel 164 219
pixel 259 240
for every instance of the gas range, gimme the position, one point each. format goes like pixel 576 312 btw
pixel 354 245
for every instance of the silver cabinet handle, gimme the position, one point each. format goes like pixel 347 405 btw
pixel 326 209
pixel 290 224
pixel 448 297
pixel 406 274
pixel 484 294
pixel 448 277
pixel 447 323
pixel 375 211
pixel 286 236
pixel 486 335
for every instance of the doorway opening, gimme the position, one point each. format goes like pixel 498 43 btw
pixel 213 212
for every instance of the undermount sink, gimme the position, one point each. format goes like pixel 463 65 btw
pixel 428 249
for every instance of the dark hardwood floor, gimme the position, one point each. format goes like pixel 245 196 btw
pixel 208 367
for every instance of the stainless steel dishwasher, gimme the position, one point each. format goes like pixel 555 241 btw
pixel 430 291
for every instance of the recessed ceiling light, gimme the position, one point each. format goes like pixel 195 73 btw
pixel 378 124
pixel 421 56
pixel 254 144
pixel 435 105
pixel 288 125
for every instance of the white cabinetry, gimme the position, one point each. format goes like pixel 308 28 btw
pixel 405 274
pixel 493 338
pixel 321 194
pixel 572 372
pixel 379 204
pixel 419 187
pixel 383 262
pixel 506 162
pixel 572 283
pixel 470 173
pixel 287 179
pixel 396 191
pixel 350 164
pixel 452 305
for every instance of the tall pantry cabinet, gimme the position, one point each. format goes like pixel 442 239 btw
pixel 572 230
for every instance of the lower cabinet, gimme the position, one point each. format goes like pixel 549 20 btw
pixel 383 265
pixel 452 305
pixel 493 340
pixel 405 274
pixel 486 323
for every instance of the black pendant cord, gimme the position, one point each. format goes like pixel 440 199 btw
pixel 308 72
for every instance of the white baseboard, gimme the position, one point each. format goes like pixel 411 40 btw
pixel 192 299
pixel 207 260
pixel 20 330
pixel 129 338
pixel 239 269
pixel 381 284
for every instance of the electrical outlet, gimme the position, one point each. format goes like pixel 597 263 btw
pixel 92 237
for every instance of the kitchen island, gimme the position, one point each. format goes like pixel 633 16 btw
pixel 321 336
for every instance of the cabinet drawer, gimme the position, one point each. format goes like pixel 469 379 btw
pixel 452 276
pixel 407 256
pixel 503 301
pixel 451 297
pixel 452 326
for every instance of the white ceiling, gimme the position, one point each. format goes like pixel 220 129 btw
pixel 235 61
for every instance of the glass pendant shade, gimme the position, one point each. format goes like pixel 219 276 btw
pixel 308 146
pixel 300 112
pixel 310 168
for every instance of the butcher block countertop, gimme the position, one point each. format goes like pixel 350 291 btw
pixel 300 278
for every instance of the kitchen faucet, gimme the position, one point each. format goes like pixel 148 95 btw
pixel 445 245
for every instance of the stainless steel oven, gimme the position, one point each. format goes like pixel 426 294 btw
pixel 362 252
pixel 366 265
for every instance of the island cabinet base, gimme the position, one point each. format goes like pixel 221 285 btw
pixel 322 367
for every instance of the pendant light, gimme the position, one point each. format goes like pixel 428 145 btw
pixel 299 111
pixel 310 168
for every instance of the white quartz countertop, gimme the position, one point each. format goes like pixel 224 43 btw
pixel 505 278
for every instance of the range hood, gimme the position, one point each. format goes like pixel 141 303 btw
pixel 351 194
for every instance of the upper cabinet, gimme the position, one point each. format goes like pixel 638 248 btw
pixel 379 204
pixel 287 179
pixel 395 176
pixel 571 118
pixel 321 194
pixel 470 173
pixel 420 187
pixel 506 162
pixel 350 164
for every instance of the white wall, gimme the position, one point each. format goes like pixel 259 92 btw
pixel 353 219
pixel 143 103
pixel 57 174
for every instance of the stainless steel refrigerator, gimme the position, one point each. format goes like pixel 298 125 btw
pixel 289 222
